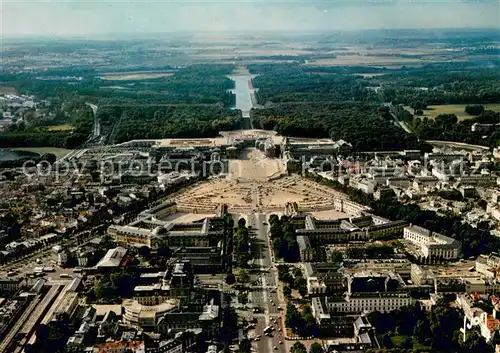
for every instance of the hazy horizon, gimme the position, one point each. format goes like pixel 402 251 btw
pixel 69 18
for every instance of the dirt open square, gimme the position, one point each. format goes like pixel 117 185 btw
pixel 253 165
pixel 248 196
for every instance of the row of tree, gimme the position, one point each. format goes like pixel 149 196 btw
pixel 293 279
pixel 284 239
pixel 301 323
pixel 298 347
pixel 241 249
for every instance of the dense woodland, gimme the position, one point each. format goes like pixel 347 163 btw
pixel 192 105
pixel 193 84
pixel 472 82
pixel 171 121
pixel 360 124
pixel 292 83
pixel 338 102
pixel 441 83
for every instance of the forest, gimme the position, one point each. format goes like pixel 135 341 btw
pixel 292 83
pixel 360 124
pixel 193 84
pixel 472 82
pixel 441 83
pixel 174 121
pixel 336 102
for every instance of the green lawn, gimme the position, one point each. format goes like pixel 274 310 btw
pixel 458 109
pixel 396 340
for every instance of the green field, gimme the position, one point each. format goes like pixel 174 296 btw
pixel 135 75
pixel 62 127
pixel 458 109
pixel 396 340
pixel 59 152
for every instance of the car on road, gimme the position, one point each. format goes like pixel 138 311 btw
pixel 264 223
pixel 275 348
pixel 281 342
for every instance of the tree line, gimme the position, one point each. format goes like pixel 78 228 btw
pixel 284 239
pixel 293 280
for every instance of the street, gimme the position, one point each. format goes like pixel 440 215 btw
pixel 268 297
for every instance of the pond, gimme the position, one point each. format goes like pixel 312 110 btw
pixel 13 155
pixel 243 93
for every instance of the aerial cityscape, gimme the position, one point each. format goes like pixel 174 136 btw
pixel 331 188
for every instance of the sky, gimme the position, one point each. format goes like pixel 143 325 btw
pixel 111 17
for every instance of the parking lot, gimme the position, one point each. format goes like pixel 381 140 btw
pixel 27 268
